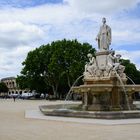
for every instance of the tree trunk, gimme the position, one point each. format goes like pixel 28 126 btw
pixel 55 91
pixel 68 81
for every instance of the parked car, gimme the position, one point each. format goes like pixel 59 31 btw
pixel 27 95
pixel 14 95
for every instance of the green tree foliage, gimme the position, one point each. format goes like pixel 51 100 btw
pixel 3 87
pixel 131 71
pixel 54 67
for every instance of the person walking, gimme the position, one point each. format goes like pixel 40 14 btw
pixel 14 98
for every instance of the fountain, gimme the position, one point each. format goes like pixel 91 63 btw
pixel 105 93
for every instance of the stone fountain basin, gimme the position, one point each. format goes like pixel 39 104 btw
pixel 57 110
pixel 99 88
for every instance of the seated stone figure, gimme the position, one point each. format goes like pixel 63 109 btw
pixel 113 64
pixel 117 62
pixel 110 61
pixel 118 67
pixel 91 66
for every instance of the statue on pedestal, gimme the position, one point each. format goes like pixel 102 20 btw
pixel 104 36
pixel 105 64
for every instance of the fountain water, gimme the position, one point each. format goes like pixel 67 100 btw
pixel 126 96
pixel 133 84
pixel 70 91
pixel 131 80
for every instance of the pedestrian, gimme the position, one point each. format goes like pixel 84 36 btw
pixel 14 98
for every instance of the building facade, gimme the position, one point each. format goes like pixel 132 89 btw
pixel 12 85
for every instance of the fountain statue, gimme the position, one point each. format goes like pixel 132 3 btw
pixel 104 36
pixel 105 87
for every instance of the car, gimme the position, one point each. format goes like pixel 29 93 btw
pixel 14 95
pixel 42 96
pixel 27 95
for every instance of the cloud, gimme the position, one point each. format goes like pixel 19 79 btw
pixel 13 34
pixel 101 6
pixel 43 14
pixel 125 32
pixel 10 60
pixel 66 12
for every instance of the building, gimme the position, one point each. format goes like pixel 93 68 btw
pixel 12 85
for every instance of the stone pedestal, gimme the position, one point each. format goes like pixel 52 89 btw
pixel 101 58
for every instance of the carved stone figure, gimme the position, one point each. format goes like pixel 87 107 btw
pixel 118 67
pixel 113 64
pixel 110 61
pixel 91 66
pixel 117 62
pixel 104 36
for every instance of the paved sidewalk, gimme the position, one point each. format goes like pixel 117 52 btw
pixel 36 114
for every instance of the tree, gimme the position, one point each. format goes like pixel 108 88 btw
pixel 131 71
pixel 3 87
pixel 54 66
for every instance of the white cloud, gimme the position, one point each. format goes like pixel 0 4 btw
pixel 102 6
pixel 43 14
pixel 125 32
pixel 13 34
pixel 10 60
pixel 65 13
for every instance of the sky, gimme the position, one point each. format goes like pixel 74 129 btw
pixel 28 24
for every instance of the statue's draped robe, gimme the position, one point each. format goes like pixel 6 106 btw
pixel 104 37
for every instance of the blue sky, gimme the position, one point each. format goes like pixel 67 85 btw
pixel 27 24
pixel 27 3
